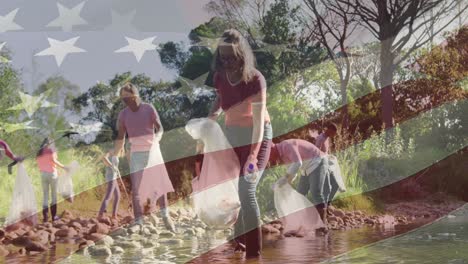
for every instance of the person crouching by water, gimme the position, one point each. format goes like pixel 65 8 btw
pixel 301 154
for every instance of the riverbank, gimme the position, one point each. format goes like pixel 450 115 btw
pixel 106 237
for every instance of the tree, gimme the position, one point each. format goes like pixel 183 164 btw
pixel 331 25
pixel 394 23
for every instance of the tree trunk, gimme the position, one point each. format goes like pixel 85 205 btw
pixel 344 100
pixel 386 80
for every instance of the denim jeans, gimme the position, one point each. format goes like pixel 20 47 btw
pixel 249 214
pixel 112 189
pixel 317 182
pixel 333 187
pixel 49 182
pixel 138 162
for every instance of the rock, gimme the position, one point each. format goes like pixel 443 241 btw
pixel 35 246
pixel 60 226
pixel 269 229
pixel 117 250
pixel 173 214
pixel 134 229
pixel 153 230
pixel 100 251
pixel 172 241
pixel 145 231
pixel 105 220
pixel 339 213
pixel 66 214
pixel 2 234
pixel 166 234
pixel 20 241
pixel 128 219
pixel 136 237
pixel 69 232
pixel 190 232
pixel 20 232
pixel 293 233
pixel 76 225
pixel 41 236
pixel 129 244
pixel 86 243
pixel 147 251
pixel 185 219
pixel 153 219
pixel 200 231
pixel 276 222
pixel 80 240
pixel 148 243
pixel 95 236
pixel 22 251
pixel 120 232
pixel 278 226
pixel 3 251
pixel 99 228
pixel 106 241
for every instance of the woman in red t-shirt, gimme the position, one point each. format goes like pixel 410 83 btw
pixel 241 94
pixel 47 162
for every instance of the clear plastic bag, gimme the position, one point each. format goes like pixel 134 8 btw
pixel 215 191
pixel 217 206
pixel 23 203
pixel 155 180
pixel 297 213
pixel 65 182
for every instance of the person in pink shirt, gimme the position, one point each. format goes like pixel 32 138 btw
pixel 323 140
pixel 323 143
pixel 300 154
pixel 140 121
pixel 241 95
pixel 47 162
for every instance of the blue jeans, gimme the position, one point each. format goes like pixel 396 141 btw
pixel 249 214
pixel 318 183
pixel 49 181
pixel 138 161
pixel 112 189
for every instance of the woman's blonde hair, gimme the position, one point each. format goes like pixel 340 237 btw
pixel 242 50
pixel 130 88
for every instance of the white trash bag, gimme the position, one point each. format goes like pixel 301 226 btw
pixel 218 206
pixel 336 172
pixel 65 182
pixel 298 213
pixel 215 191
pixel 23 203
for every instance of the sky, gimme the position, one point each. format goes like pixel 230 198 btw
pixel 100 33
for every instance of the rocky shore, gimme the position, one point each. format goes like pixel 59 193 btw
pixel 106 237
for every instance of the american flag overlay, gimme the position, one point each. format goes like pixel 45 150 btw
pixel 229 131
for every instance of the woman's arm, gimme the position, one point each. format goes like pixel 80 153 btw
pixel 105 159
pixel 215 110
pixel 120 140
pixel 8 151
pixel 58 163
pixel 258 116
